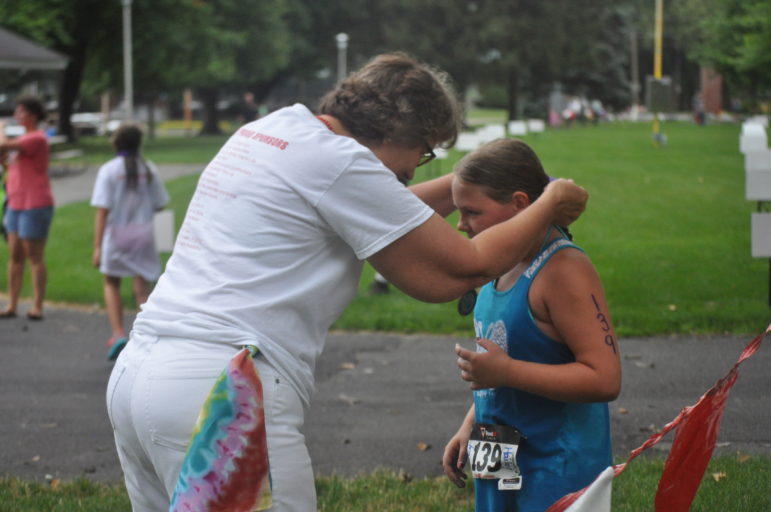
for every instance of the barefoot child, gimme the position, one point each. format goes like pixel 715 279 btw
pixel 547 358
pixel 127 193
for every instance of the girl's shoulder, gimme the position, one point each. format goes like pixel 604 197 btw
pixel 113 169
pixel 569 270
pixel 568 260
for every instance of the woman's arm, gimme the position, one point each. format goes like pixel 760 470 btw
pixel 437 194
pixel 576 305
pixel 100 220
pixel 434 263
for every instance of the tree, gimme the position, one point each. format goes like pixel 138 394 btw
pixel 72 27
pixel 443 33
pixel 733 37
pixel 531 45
pixel 212 44
pixel 241 42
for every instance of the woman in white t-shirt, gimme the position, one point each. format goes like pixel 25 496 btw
pixel 270 254
pixel 127 193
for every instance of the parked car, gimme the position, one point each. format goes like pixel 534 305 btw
pixel 87 123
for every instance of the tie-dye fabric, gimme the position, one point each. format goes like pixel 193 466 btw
pixel 226 465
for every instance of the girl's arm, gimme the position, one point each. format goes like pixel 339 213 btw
pixel 575 302
pixel 456 453
pixel 100 221
pixel 435 263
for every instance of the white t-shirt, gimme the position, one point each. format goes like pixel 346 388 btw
pixel 128 244
pixel 271 248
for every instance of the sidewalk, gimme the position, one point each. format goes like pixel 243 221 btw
pixel 378 396
pixel 382 400
pixel 73 188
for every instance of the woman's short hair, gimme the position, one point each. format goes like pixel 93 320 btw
pixel 394 97
pixel 34 106
pixel 504 166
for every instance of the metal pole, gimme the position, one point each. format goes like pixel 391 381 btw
pixel 634 71
pixel 659 38
pixel 659 35
pixel 128 73
pixel 342 45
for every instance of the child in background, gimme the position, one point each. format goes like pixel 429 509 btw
pixel 30 208
pixel 547 360
pixel 127 193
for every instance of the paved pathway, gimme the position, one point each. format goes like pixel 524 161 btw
pixel 72 188
pixel 378 396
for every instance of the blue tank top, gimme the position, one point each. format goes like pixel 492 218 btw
pixel 567 444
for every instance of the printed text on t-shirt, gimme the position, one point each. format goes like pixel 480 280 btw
pixel 265 139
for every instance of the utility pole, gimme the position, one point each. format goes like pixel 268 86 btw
pixel 658 43
pixel 342 47
pixel 128 73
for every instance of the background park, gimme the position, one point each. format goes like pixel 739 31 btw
pixel 667 225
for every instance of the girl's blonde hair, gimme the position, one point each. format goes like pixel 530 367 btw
pixel 502 167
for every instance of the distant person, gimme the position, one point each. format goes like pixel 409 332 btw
pixel 127 193
pixel 248 110
pixel 547 359
pixel 598 111
pixel 30 207
pixel 699 115
pixel 270 254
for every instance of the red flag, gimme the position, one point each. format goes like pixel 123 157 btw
pixel 697 429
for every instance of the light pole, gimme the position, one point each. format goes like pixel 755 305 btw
pixel 658 137
pixel 342 46
pixel 128 73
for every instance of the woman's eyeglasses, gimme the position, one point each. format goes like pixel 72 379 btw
pixel 427 156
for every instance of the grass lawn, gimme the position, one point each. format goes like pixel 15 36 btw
pixel 730 483
pixel 668 229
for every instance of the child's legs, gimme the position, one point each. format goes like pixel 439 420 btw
pixel 31 227
pixel 15 270
pixel 114 304
pixel 141 290
pixel 34 249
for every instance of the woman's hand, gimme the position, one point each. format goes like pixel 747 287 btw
pixel 569 200
pixel 96 257
pixel 455 455
pixel 483 369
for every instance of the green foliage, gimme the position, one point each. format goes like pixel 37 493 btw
pixel 730 483
pixel 734 37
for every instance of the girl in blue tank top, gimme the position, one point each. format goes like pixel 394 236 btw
pixel 547 359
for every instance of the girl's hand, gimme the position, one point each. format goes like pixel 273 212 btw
pixel 96 257
pixel 483 369
pixel 455 455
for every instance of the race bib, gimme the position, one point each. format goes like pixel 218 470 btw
pixel 492 453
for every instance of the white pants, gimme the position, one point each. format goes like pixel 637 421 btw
pixel 154 395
